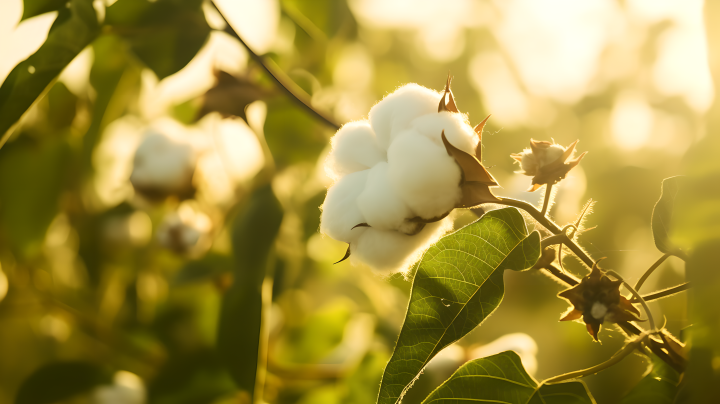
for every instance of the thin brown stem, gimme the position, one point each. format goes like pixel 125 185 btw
pixel 637 297
pixel 550 225
pixel 283 81
pixel 559 274
pixel 650 270
pixel 665 292
pixel 546 202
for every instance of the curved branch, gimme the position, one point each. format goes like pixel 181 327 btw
pixel 665 292
pixel 284 82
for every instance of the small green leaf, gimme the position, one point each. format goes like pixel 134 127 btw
pixel 239 331
pixel 73 30
pixel 501 378
pixel 659 386
pixel 59 381
pixel 31 8
pixel 459 282
pixel 662 216
pixel 164 34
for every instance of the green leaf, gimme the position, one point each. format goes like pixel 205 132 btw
pixel 662 216
pixel 164 34
pixel 501 378
pixel 31 8
pixel 240 328
pixel 459 282
pixel 659 386
pixel 59 381
pixel 73 30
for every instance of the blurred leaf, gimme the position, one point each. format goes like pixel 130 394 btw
pixel 459 282
pixel 62 106
pixel 239 331
pixel 292 135
pixel 59 381
pixel 231 95
pixel 322 332
pixel 31 8
pixel 207 267
pixel 659 386
pixel 662 216
pixel 502 378
pixel 32 177
pixel 74 29
pixel 164 34
pixel 193 378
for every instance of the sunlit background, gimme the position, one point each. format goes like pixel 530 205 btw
pixel 119 254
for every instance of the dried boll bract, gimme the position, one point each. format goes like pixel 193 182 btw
pixel 546 162
pixel 399 174
pixel 597 299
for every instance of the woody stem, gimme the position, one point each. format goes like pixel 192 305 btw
pixel 665 293
pixel 550 225
pixel 546 203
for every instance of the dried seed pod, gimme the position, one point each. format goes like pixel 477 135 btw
pixel 597 299
pixel 546 162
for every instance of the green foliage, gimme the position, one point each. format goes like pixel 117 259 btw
pixel 73 30
pixel 501 378
pixel 31 8
pixel 663 213
pixel 459 282
pixel 659 386
pixel 164 34
pixel 239 333
pixel 59 381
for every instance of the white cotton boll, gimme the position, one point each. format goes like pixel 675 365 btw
pixel 162 165
pixel 528 162
pixel 552 153
pixel 391 251
pixel 423 174
pixel 380 203
pixel 457 131
pixel 396 111
pixel 354 148
pixel 340 211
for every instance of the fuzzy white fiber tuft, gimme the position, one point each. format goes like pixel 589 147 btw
pixel 390 172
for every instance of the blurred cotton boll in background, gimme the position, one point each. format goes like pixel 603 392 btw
pixel 127 388
pixel 185 231
pixel 164 162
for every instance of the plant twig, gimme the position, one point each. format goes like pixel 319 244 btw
pixel 559 274
pixel 650 270
pixel 283 81
pixel 620 355
pixel 546 202
pixel 638 297
pixel 665 292
pixel 550 225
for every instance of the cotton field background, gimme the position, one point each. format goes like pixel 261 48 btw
pixel 121 186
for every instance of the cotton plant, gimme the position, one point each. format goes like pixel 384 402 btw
pixel 399 174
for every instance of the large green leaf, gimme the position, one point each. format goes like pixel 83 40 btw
pixel 459 282
pixel 501 378
pixel 662 216
pixel 164 34
pixel 31 8
pixel 659 386
pixel 240 328
pixel 73 30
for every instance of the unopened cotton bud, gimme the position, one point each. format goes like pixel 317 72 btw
pixel 162 166
pixel 546 162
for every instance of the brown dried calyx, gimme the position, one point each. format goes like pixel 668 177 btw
pixel 475 181
pixel 597 299
pixel 546 162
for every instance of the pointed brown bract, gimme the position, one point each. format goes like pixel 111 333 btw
pixel 450 104
pixel 346 256
pixel 597 299
pixel 472 168
pixel 479 130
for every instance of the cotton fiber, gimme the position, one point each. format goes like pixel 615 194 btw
pixel 395 180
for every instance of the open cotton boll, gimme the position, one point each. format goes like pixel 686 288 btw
pixel 162 165
pixel 392 251
pixel 396 111
pixel 340 212
pixel 354 148
pixel 423 174
pixel 457 131
pixel 379 202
